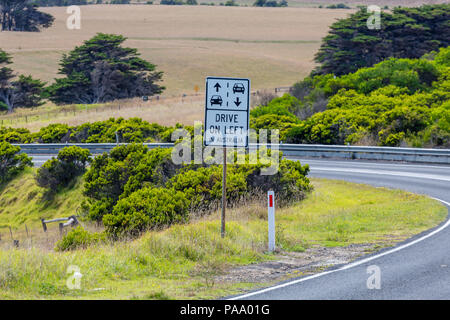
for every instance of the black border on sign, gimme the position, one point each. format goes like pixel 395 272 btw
pixel 248 110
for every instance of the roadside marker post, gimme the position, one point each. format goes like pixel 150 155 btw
pixel 271 219
pixel 227 107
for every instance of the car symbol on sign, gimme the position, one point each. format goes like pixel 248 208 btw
pixel 216 100
pixel 238 87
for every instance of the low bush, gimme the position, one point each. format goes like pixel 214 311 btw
pixel 126 169
pixel 126 130
pixel 79 238
pixel 146 208
pixel 13 135
pixel 60 172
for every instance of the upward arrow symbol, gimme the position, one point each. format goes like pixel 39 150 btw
pixel 217 86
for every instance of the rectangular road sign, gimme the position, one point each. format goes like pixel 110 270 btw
pixel 227 112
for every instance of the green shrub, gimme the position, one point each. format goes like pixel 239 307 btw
pixel 128 188
pixel 11 161
pixel 146 208
pixel 198 186
pixel 130 130
pixel 54 133
pixel 127 130
pixel 78 238
pixel 60 172
pixel 13 135
pixel 126 169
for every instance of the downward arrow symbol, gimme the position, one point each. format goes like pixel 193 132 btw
pixel 237 102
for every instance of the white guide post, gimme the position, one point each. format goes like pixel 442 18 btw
pixel 271 219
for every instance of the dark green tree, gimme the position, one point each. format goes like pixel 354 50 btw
pixel 24 92
pixel 101 70
pixel 22 15
pixel 406 33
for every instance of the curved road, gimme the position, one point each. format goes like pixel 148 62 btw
pixel 416 269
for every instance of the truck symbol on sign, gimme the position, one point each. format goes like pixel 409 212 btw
pixel 238 87
pixel 216 100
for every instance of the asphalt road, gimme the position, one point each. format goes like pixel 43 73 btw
pixel 418 268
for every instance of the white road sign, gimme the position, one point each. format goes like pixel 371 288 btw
pixel 227 112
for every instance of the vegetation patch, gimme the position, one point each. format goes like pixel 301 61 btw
pixel 398 102
pixel 134 188
pixel 181 262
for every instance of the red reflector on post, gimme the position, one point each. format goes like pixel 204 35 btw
pixel 270 201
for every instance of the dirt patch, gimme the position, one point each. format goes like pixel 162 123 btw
pixel 294 264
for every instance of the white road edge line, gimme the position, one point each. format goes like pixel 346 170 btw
pixel 385 172
pixel 350 265
pixel 412 165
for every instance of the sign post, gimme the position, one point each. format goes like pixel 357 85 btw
pixel 271 219
pixel 224 192
pixel 227 109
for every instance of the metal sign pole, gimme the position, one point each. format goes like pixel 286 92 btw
pixel 224 191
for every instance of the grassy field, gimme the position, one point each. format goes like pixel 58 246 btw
pixel 272 46
pixel 184 260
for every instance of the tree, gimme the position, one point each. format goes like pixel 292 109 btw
pixel 22 15
pixel 24 92
pixel 351 45
pixel 101 70
pixel 6 75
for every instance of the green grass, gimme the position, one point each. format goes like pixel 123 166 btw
pixel 181 262
pixel 21 202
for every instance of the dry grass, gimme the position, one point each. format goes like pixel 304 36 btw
pixel 166 111
pixel 272 46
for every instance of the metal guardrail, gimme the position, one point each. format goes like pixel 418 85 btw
pixel 94 148
pixel 441 156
